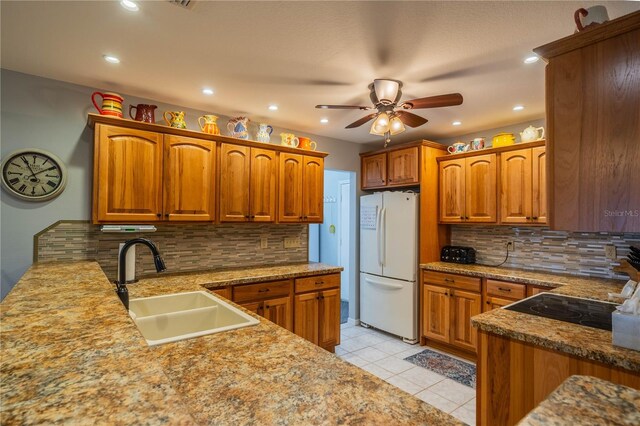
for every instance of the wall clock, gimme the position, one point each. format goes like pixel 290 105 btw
pixel 33 174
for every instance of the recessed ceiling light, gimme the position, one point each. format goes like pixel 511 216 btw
pixel 531 59
pixel 207 91
pixel 456 123
pixel 129 5
pixel 324 120
pixel 273 107
pixel 111 59
pixel 518 108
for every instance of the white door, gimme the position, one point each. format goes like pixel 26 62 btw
pixel 370 206
pixel 399 223
pixel 345 206
pixel 389 305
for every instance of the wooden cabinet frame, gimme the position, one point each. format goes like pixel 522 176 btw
pixel 317 311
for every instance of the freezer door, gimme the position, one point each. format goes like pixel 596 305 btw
pixel 399 223
pixel 389 305
pixel 370 207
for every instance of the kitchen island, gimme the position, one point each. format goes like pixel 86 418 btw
pixel 71 353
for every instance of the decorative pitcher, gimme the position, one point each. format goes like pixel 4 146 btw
pixel 210 124
pixel 306 143
pixel 531 134
pixel 457 148
pixel 264 133
pixel 237 127
pixel 111 103
pixel 177 119
pixel 144 113
pixel 290 140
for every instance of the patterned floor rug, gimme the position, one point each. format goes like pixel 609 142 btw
pixel 460 371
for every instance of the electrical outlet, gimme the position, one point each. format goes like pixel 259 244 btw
pixel 291 242
pixel 511 245
pixel 264 242
pixel 610 252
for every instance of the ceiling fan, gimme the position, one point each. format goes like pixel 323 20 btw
pixel 391 116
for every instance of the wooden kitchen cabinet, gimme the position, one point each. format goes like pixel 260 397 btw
pixel 464 305
pixel 312 189
pixel 317 313
pixel 127 185
pixel 271 300
pixel 468 190
pixel 263 182
pixel 522 191
pixel 403 167
pixel 189 179
pixel 492 302
pixel 593 105
pixel 437 315
pixel 374 171
pixel 301 190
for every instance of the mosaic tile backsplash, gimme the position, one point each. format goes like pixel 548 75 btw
pixel 543 250
pixel 183 247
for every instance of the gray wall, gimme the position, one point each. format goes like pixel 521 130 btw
pixel 489 133
pixel 36 112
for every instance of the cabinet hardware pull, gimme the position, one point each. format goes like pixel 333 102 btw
pixel 267 307
pixel 488 303
pixel 166 214
pixel 461 217
pixel 390 180
pixel 504 289
pixel 159 214
pixel 528 217
pixel 319 282
pixel 466 218
pixel 449 280
pixel 263 290
pixel 535 218
pixel 318 298
pixel 246 216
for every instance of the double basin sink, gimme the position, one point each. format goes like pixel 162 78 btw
pixel 174 317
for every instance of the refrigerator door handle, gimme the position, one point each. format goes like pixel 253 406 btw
pixel 384 285
pixel 383 236
pixel 378 236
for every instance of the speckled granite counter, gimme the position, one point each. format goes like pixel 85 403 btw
pixel 585 342
pixel 584 400
pixel 70 353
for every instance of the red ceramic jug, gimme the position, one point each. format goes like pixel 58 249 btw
pixel 144 113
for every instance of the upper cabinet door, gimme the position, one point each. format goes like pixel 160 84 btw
pixel 290 188
pixel 264 173
pixel 127 175
pixel 539 185
pixel 313 189
pixel 374 171
pixel 515 186
pixel 480 177
pixel 189 179
pixel 404 167
pixel 235 170
pixel 452 191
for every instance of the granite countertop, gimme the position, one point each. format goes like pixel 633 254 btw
pixel 574 339
pixel 71 353
pixel 585 400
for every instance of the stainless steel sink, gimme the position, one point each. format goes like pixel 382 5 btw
pixel 180 316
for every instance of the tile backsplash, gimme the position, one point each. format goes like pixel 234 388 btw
pixel 184 247
pixel 541 249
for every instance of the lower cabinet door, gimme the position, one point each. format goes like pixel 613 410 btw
pixel 278 311
pixel 329 318
pixel 255 307
pixel 464 305
pixel 306 316
pixel 495 303
pixel 436 312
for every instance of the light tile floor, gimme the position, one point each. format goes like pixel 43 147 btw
pixel 382 355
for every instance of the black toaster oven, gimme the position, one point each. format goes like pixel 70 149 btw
pixel 458 254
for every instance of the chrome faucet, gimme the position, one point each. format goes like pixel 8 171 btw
pixel 121 287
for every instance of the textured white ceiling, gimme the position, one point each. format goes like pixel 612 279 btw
pixel 299 54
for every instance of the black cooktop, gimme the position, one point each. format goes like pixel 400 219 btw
pixel 590 313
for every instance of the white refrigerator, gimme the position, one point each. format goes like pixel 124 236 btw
pixel 389 263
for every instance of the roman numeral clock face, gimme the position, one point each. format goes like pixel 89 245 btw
pixel 33 175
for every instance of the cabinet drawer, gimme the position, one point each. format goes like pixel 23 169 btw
pixel 261 291
pixel 505 289
pixel 451 280
pixel 319 282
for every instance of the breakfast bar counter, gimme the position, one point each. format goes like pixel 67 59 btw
pixel 71 353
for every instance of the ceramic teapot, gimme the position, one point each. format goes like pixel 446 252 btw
pixel 209 124
pixel 237 128
pixel 176 120
pixel 264 133
pixel 531 134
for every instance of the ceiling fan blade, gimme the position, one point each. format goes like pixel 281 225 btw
pixel 450 99
pixel 364 108
pixel 411 119
pixel 360 122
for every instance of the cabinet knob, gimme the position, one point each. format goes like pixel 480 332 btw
pixel 528 218
pixel 488 303
pixel 253 216
pixel 159 214
pixel 246 216
pixel 300 217
pixel 267 307
pixel 390 180
pixel 166 215
pixel 535 218
pixel 461 217
pixel 466 218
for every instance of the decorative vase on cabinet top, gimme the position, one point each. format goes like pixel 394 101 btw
pixel 237 127
pixel 503 139
pixel 290 140
pixel 209 124
pixel 111 103
pixel 177 119
pixel 264 133
pixel 144 112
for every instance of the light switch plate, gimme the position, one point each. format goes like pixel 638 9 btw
pixel 610 252
pixel 291 242
pixel 264 242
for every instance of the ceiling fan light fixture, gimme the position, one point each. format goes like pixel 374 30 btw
pixel 386 90
pixel 396 126
pixel 380 125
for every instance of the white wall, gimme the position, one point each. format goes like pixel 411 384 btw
pixel 36 112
